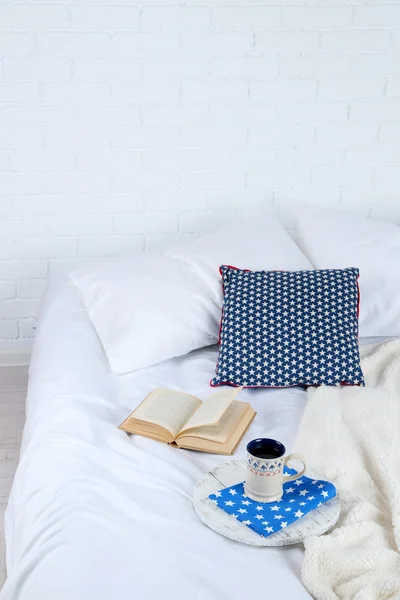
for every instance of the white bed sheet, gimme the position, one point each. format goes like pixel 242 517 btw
pixel 96 514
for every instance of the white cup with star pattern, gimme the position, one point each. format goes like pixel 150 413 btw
pixel 265 463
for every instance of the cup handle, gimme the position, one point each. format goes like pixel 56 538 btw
pixel 296 475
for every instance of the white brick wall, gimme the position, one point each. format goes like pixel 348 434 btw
pixel 125 126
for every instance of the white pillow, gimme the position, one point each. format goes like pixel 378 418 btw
pixel 252 242
pixel 166 306
pixel 334 239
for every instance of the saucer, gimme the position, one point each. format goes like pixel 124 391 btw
pixel 316 522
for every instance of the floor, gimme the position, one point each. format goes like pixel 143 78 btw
pixel 13 384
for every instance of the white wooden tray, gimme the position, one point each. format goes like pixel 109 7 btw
pixel 316 522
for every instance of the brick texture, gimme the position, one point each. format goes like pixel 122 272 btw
pixel 128 126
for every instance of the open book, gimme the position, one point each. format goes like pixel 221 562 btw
pixel 215 425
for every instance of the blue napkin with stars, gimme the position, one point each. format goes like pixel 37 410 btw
pixel 299 498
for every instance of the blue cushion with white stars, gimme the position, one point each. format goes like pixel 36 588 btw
pixel 299 498
pixel 287 328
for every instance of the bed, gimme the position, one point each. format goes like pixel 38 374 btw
pixel 94 513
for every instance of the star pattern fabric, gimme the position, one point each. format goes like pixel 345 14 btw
pixel 299 498
pixel 287 328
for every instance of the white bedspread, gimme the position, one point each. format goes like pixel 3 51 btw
pixel 358 447
pixel 97 515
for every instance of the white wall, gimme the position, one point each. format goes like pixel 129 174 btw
pixel 125 126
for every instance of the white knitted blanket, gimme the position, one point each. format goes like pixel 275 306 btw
pixel 352 435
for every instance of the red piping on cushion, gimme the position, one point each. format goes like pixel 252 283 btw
pixel 223 292
pixel 222 311
pixel 235 268
pixel 280 387
pixel 258 387
pixel 358 306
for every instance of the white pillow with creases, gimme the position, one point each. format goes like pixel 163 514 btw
pixel 334 239
pixel 162 306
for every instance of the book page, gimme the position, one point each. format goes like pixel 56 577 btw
pixel 212 409
pixel 194 442
pixel 225 427
pixel 167 408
